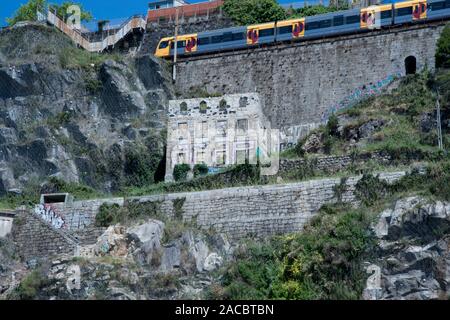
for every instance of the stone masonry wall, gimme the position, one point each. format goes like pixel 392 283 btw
pixel 156 31
pixel 238 212
pixel 37 238
pixel 300 83
pixel 261 211
pixel 333 163
pixel 75 216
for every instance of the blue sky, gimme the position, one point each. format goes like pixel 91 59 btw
pixel 110 9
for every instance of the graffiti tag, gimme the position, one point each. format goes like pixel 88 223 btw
pixel 48 214
pixel 358 95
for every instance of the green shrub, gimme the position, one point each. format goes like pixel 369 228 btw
pixel 443 48
pixel 371 189
pixel 140 166
pixel 180 171
pixel 246 12
pixel 200 170
pixel 322 262
pixel 108 214
pixel 308 11
pixel 29 287
pixel 332 125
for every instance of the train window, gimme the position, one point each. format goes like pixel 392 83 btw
pixel 338 21
pixel 312 25
pixel 164 44
pixel 403 11
pixel 352 19
pixel 285 30
pixel 216 39
pixel 447 3
pixel 266 32
pixel 386 14
pixel 437 5
pixel 227 37
pixel 238 36
pixel 203 41
pixel 181 44
pixel 325 23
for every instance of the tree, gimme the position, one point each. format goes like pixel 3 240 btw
pixel 247 12
pixel 61 10
pixel 27 12
pixel 311 11
pixel 443 48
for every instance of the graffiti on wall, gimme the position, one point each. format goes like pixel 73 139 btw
pixel 359 94
pixel 48 214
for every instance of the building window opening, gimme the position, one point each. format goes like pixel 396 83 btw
pixel 220 158
pixel 181 158
pixel 410 65
pixel 203 107
pixel 242 156
pixel 242 127
pixel 221 128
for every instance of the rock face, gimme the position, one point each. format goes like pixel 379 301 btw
pixel 62 117
pixel 140 262
pixel 413 251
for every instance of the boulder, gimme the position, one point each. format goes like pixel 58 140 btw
pixel 148 240
pixel 313 143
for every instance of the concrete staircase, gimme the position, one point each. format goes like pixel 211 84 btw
pixel 134 22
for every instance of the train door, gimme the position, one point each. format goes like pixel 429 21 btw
pixel 370 18
pixel 420 10
pixel 252 36
pixel 191 44
pixel 298 29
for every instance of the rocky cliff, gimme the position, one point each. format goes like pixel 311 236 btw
pixel 78 116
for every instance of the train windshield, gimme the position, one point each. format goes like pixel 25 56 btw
pixel 164 44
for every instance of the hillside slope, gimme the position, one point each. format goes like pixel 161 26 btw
pixel 77 116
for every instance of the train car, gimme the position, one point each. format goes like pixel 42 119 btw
pixel 410 11
pixel 186 44
pixel 261 34
pixel 223 39
pixel 335 23
pixel 438 9
pixel 328 24
pixel 289 30
pixel 374 17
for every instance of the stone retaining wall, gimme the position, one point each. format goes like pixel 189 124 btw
pixel 333 163
pixel 260 211
pixel 36 238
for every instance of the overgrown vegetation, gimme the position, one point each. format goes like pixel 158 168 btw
pixel 443 48
pixel 31 193
pixel 29 287
pixel 28 11
pixel 77 58
pixel 325 261
pixel 180 172
pixel 239 175
pixel 404 121
pixel 246 12
pixel 308 11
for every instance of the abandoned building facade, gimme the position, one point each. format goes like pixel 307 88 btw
pixel 218 132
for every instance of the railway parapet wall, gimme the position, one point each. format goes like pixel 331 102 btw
pixel 302 83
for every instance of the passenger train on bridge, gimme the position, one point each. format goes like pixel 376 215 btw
pixel 330 24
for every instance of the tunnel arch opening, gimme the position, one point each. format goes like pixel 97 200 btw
pixel 410 65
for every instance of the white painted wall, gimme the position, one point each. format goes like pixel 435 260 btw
pixel 5 226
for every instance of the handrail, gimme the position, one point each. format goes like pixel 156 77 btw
pixel 135 21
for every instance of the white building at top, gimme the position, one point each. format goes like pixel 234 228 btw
pixel 163 4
